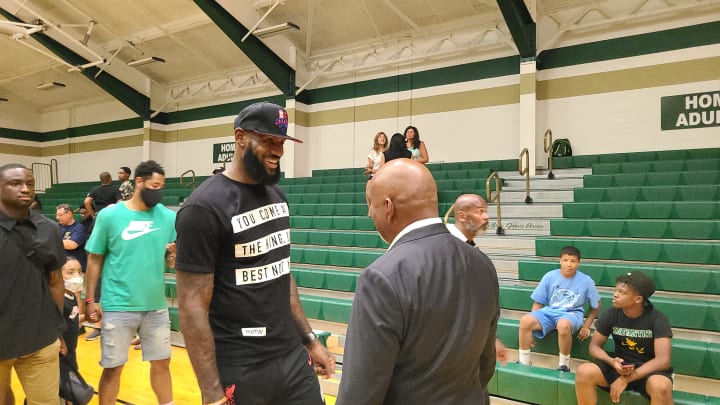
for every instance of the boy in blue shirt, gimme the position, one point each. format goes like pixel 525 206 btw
pixel 558 304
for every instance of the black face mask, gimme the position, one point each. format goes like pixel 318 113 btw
pixel 151 196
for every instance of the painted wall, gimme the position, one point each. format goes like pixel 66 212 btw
pixel 603 102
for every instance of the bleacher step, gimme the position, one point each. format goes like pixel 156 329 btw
pixel 543 183
pixel 522 210
pixel 547 196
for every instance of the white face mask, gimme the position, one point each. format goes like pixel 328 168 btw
pixel 74 284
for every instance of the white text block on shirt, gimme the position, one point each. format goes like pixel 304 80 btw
pixel 263 245
pixel 258 216
pixel 271 271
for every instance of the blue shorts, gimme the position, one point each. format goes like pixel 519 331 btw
pixel 549 317
pixel 119 329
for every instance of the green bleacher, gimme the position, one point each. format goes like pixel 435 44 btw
pixel 636 212
pixel 665 227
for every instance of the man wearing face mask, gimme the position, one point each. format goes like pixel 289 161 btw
pixel 127 246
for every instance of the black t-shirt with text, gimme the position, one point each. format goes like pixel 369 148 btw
pixel 634 337
pixel 241 233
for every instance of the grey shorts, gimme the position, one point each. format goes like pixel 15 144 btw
pixel 119 328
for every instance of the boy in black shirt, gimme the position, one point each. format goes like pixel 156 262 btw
pixel 643 347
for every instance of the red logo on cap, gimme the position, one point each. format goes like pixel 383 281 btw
pixel 282 121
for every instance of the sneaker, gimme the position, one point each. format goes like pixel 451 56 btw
pixel 564 369
pixel 93 335
pixel 518 362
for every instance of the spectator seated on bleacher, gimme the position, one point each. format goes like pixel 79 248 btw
pixel 559 302
pixel 642 336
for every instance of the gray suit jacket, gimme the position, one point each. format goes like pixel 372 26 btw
pixel 422 326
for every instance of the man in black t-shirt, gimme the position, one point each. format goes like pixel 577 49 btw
pixel 240 311
pixel 103 195
pixel 643 347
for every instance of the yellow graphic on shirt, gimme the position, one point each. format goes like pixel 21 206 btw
pixel 632 345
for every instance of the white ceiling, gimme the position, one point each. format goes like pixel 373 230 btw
pixel 334 36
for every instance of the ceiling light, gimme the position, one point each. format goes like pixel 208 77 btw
pixel 275 29
pixel 50 85
pixel 145 61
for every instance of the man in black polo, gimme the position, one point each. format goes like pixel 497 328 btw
pixel 31 291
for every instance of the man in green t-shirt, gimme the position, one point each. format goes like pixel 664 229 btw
pixel 127 246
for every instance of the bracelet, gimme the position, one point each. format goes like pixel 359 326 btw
pixel 307 339
pixel 222 400
pixel 89 301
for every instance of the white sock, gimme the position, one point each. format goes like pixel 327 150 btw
pixel 524 356
pixel 564 360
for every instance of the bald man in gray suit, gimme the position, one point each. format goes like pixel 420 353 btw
pixel 423 321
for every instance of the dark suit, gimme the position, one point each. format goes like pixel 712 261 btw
pixel 422 326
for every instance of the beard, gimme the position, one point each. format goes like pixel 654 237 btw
pixel 476 228
pixel 256 169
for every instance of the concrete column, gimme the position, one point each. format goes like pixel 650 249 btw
pixel 146 153
pixel 288 160
pixel 528 106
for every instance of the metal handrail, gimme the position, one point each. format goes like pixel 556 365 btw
pixel 42 172
pixel 54 179
pixel 191 182
pixel 495 199
pixel 447 214
pixel 547 146
pixel 525 171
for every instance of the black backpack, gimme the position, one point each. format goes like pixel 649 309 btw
pixel 73 387
pixel 561 147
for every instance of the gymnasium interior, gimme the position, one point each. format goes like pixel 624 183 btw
pixel 88 86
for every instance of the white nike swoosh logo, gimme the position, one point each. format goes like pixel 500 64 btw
pixel 126 235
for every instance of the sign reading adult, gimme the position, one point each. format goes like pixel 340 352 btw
pixel 686 111
pixel 223 152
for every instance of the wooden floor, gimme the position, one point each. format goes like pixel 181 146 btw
pixel 135 384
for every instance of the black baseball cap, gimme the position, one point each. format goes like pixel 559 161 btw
pixel 642 283
pixel 264 118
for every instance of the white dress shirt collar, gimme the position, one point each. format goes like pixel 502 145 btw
pixel 415 225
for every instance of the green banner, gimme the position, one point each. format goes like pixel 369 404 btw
pixel 223 152
pixel 697 110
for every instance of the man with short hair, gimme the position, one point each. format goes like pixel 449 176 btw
pixel 471 219
pixel 103 195
pixel 127 246
pixel 243 324
pixel 424 316
pixel 31 291
pixel 73 234
pixel 643 347
pixel 126 187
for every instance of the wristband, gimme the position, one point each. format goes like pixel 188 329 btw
pixel 222 400
pixel 89 301
pixel 308 338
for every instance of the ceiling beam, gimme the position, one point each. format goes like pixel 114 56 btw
pixel 131 98
pixel 521 25
pixel 279 72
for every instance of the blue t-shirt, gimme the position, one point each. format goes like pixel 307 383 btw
pixel 566 294
pixel 76 233
pixel 134 245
